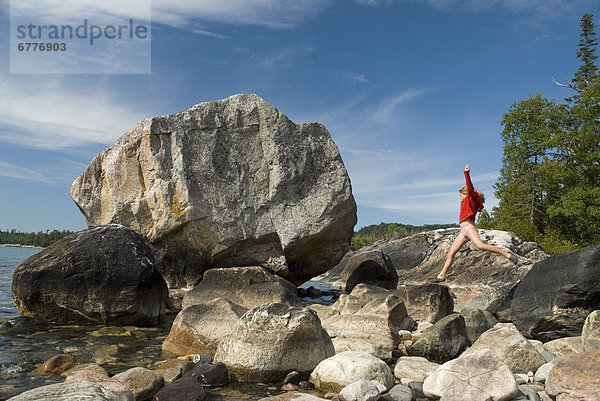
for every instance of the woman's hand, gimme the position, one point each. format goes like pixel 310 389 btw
pixel 467 167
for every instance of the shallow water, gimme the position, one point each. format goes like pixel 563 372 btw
pixel 116 349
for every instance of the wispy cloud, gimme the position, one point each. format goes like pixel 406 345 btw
pixel 355 78
pixel 52 115
pixel 23 173
pixel 204 32
pixel 388 106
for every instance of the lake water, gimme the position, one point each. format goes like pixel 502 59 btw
pixel 116 349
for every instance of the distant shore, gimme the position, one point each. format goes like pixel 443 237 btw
pixel 20 246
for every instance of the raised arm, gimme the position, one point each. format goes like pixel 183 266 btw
pixel 470 188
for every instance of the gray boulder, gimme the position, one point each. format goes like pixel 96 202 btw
pixel 373 267
pixel 143 383
pixel 271 340
pixel 68 391
pixel 556 296
pixel 444 341
pixel 226 183
pixel 590 335
pixel 428 302
pixel 103 275
pixel 477 322
pixel 248 287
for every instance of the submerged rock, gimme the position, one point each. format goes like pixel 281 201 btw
pixel 103 275
pixel 226 183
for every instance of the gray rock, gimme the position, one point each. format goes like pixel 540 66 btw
pixel 575 377
pixel 429 302
pixel 371 267
pixel 414 368
pixel 226 183
pixel 444 341
pixel 590 335
pixel 361 390
pixel 477 376
pixel 104 275
pixel 198 329
pixel 68 391
pixel 249 287
pixel 556 296
pixel 541 375
pixel 210 375
pixel 510 345
pixel 477 322
pixel 526 394
pixel 565 346
pixel 271 340
pixel 398 393
pixel 340 370
pixel 186 389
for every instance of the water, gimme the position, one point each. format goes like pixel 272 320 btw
pixel 116 349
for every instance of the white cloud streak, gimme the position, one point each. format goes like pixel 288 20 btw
pixel 23 173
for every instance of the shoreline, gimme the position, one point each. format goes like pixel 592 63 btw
pixel 20 246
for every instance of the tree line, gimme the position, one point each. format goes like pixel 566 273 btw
pixel 376 232
pixel 42 239
pixel 549 183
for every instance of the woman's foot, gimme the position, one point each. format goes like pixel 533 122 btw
pixel 437 280
pixel 514 258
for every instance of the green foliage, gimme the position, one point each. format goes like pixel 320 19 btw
pixel 549 184
pixel 375 232
pixel 41 239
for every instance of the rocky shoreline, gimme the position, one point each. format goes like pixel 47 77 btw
pixel 216 215
pixel 20 246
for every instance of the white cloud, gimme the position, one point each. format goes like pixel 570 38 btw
pixel 10 170
pixel 48 114
pixel 387 107
pixel 354 77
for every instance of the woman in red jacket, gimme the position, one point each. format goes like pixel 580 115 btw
pixel 472 202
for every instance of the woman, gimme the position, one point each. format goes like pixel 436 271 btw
pixel 472 202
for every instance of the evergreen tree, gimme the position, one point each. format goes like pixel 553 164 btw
pixel 587 47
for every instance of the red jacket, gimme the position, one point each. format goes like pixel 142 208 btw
pixel 471 204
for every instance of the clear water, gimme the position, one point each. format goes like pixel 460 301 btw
pixel 116 349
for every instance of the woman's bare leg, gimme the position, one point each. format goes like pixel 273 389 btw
pixel 473 235
pixel 456 245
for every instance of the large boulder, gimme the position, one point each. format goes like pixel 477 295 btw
pixel 556 296
pixel 245 286
pixel 443 341
pixel 510 345
pixel 199 328
pixel 271 340
pixel 590 335
pixel 427 302
pixel 226 183
pixel 373 267
pixel 103 275
pixel 478 376
pixel 69 391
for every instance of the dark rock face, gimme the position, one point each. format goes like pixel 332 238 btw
pixel 226 183
pixel 444 341
pixel 102 275
pixel 556 296
pixel 374 268
pixel 429 302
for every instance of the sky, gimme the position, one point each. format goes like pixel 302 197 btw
pixel 410 90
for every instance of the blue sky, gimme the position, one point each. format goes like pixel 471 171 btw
pixel 410 90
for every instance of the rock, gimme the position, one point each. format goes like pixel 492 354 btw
pixel 245 286
pixel 226 183
pixel 103 275
pixel 292 378
pixel 293 396
pixel 541 375
pixel 367 333
pixel 306 385
pixel 479 375
pixel 324 311
pixel 173 369
pixel 526 394
pixel 198 329
pixel 142 382
pixel 477 322
pixel 429 302
pixel 210 375
pixel 565 346
pixel 495 300
pixel 575 377
pixel 361 390
pixel 444 341
pixel 556 296
pixel 186 389
pixel 56 365
pixel 371 267
pixel 398 393
pixel 68 391
pixel 89 367
pixel 314 292
pixel 99 377
pixel 590 335
pixel 510 345
pixel 340 370
pixel 271 340
pixel 414 368
pixel 375 301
